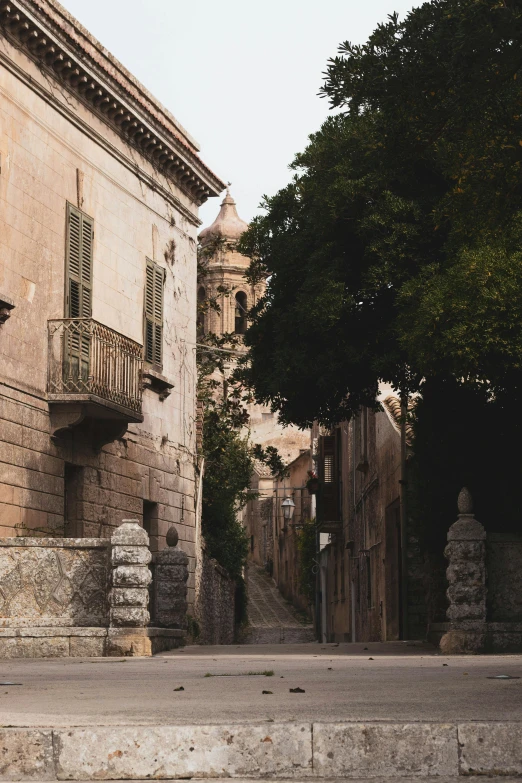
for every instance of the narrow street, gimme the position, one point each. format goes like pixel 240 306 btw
pixel 273 620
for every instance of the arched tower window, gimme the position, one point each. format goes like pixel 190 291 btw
pixel 201 319
pixel 241 313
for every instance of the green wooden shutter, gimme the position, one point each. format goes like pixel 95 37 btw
pixel 78 294
pixel 79 248
pixel 154 280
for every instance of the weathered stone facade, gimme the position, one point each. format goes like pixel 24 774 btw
pixel 86 596
pixel 215 605
pixel 77 132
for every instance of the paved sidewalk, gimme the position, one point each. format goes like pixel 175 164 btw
pixel 341 683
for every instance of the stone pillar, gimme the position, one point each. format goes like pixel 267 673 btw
pixel 129 596
pixel 169 608
pixel 466 573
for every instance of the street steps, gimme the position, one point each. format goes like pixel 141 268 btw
pixel 272 619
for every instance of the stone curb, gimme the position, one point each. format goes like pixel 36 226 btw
pixel 284 751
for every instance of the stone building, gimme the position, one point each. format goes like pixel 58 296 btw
pixel 99 193
pixel 367 578
pixel 226 269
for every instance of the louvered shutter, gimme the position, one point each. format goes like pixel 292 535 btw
pixel 329 495
pixel 154 281
pixel 79 248
pixel 78 296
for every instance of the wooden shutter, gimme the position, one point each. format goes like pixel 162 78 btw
pixel 79 249
pixel 329 478
pixel 78 294
pixel 154 280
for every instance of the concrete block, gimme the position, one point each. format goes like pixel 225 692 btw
pixel 133 616
pixel 366 750
pixel 128 642
pixel 129 596
pixel 117 753
pixel 130 533
pixel 87 647
pixel 490 748
pixel 26 754
pixel 130 555
pixel 131 576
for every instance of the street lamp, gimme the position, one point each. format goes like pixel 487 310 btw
pixel 288 507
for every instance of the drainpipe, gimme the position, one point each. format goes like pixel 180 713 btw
pixel 404 518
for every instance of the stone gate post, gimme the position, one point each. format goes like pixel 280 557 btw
pixel 169 603
pixel 129 596
pixel 466 574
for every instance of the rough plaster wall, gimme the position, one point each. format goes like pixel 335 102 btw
pixel 41 153
pixel 63 585
pixel 215 607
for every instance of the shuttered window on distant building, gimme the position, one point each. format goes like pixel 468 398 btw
pixel 155 278
pixel 329 477
pixel 78 260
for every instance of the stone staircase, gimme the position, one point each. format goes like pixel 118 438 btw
pixel 272 619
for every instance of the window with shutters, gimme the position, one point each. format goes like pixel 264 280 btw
pixel 329 477
pixel 78 292
pixel 79 247
pixel 154 282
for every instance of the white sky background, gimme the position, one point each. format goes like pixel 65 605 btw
pixel 241 76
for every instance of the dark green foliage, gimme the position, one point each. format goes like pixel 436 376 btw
pixel 307 548
pixel 463 439
pixel 228 468
pixel 228 452
pixel 394 254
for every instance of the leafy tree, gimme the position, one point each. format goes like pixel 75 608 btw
pixel 394 253
pixel 228 451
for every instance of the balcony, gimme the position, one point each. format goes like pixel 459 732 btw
pixel 94 379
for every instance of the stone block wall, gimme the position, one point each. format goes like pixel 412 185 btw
pixel 215 604
pixel 38 473
pixel 45 581
pixel 85 597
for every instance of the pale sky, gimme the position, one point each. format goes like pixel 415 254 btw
pixel 241 76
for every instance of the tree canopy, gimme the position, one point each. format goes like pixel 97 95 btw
pixel 395 252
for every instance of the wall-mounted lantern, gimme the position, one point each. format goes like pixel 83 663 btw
pixel 288 507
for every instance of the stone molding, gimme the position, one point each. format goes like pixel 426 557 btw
pixel 112 95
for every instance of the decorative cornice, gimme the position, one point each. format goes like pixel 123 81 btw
pixel 92 76
pixel 392 406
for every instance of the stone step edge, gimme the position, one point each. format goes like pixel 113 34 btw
pixel 276 750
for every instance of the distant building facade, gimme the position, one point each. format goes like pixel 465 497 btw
pixel 99 194
pixel 226 269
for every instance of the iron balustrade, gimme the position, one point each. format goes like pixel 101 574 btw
pixel 86 357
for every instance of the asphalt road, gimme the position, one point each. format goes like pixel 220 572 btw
pixel 346 682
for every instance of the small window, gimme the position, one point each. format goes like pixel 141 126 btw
pixel 155 278
pixel 241 313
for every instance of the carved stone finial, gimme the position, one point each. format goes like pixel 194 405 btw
pixel 465 501
pixel 172 536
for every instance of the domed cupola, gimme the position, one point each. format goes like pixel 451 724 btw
pixel 228 225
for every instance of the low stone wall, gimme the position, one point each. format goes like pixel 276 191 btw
pixel 215 603
pixel 84 597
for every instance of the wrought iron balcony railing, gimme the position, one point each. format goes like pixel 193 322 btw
pixel 88 358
